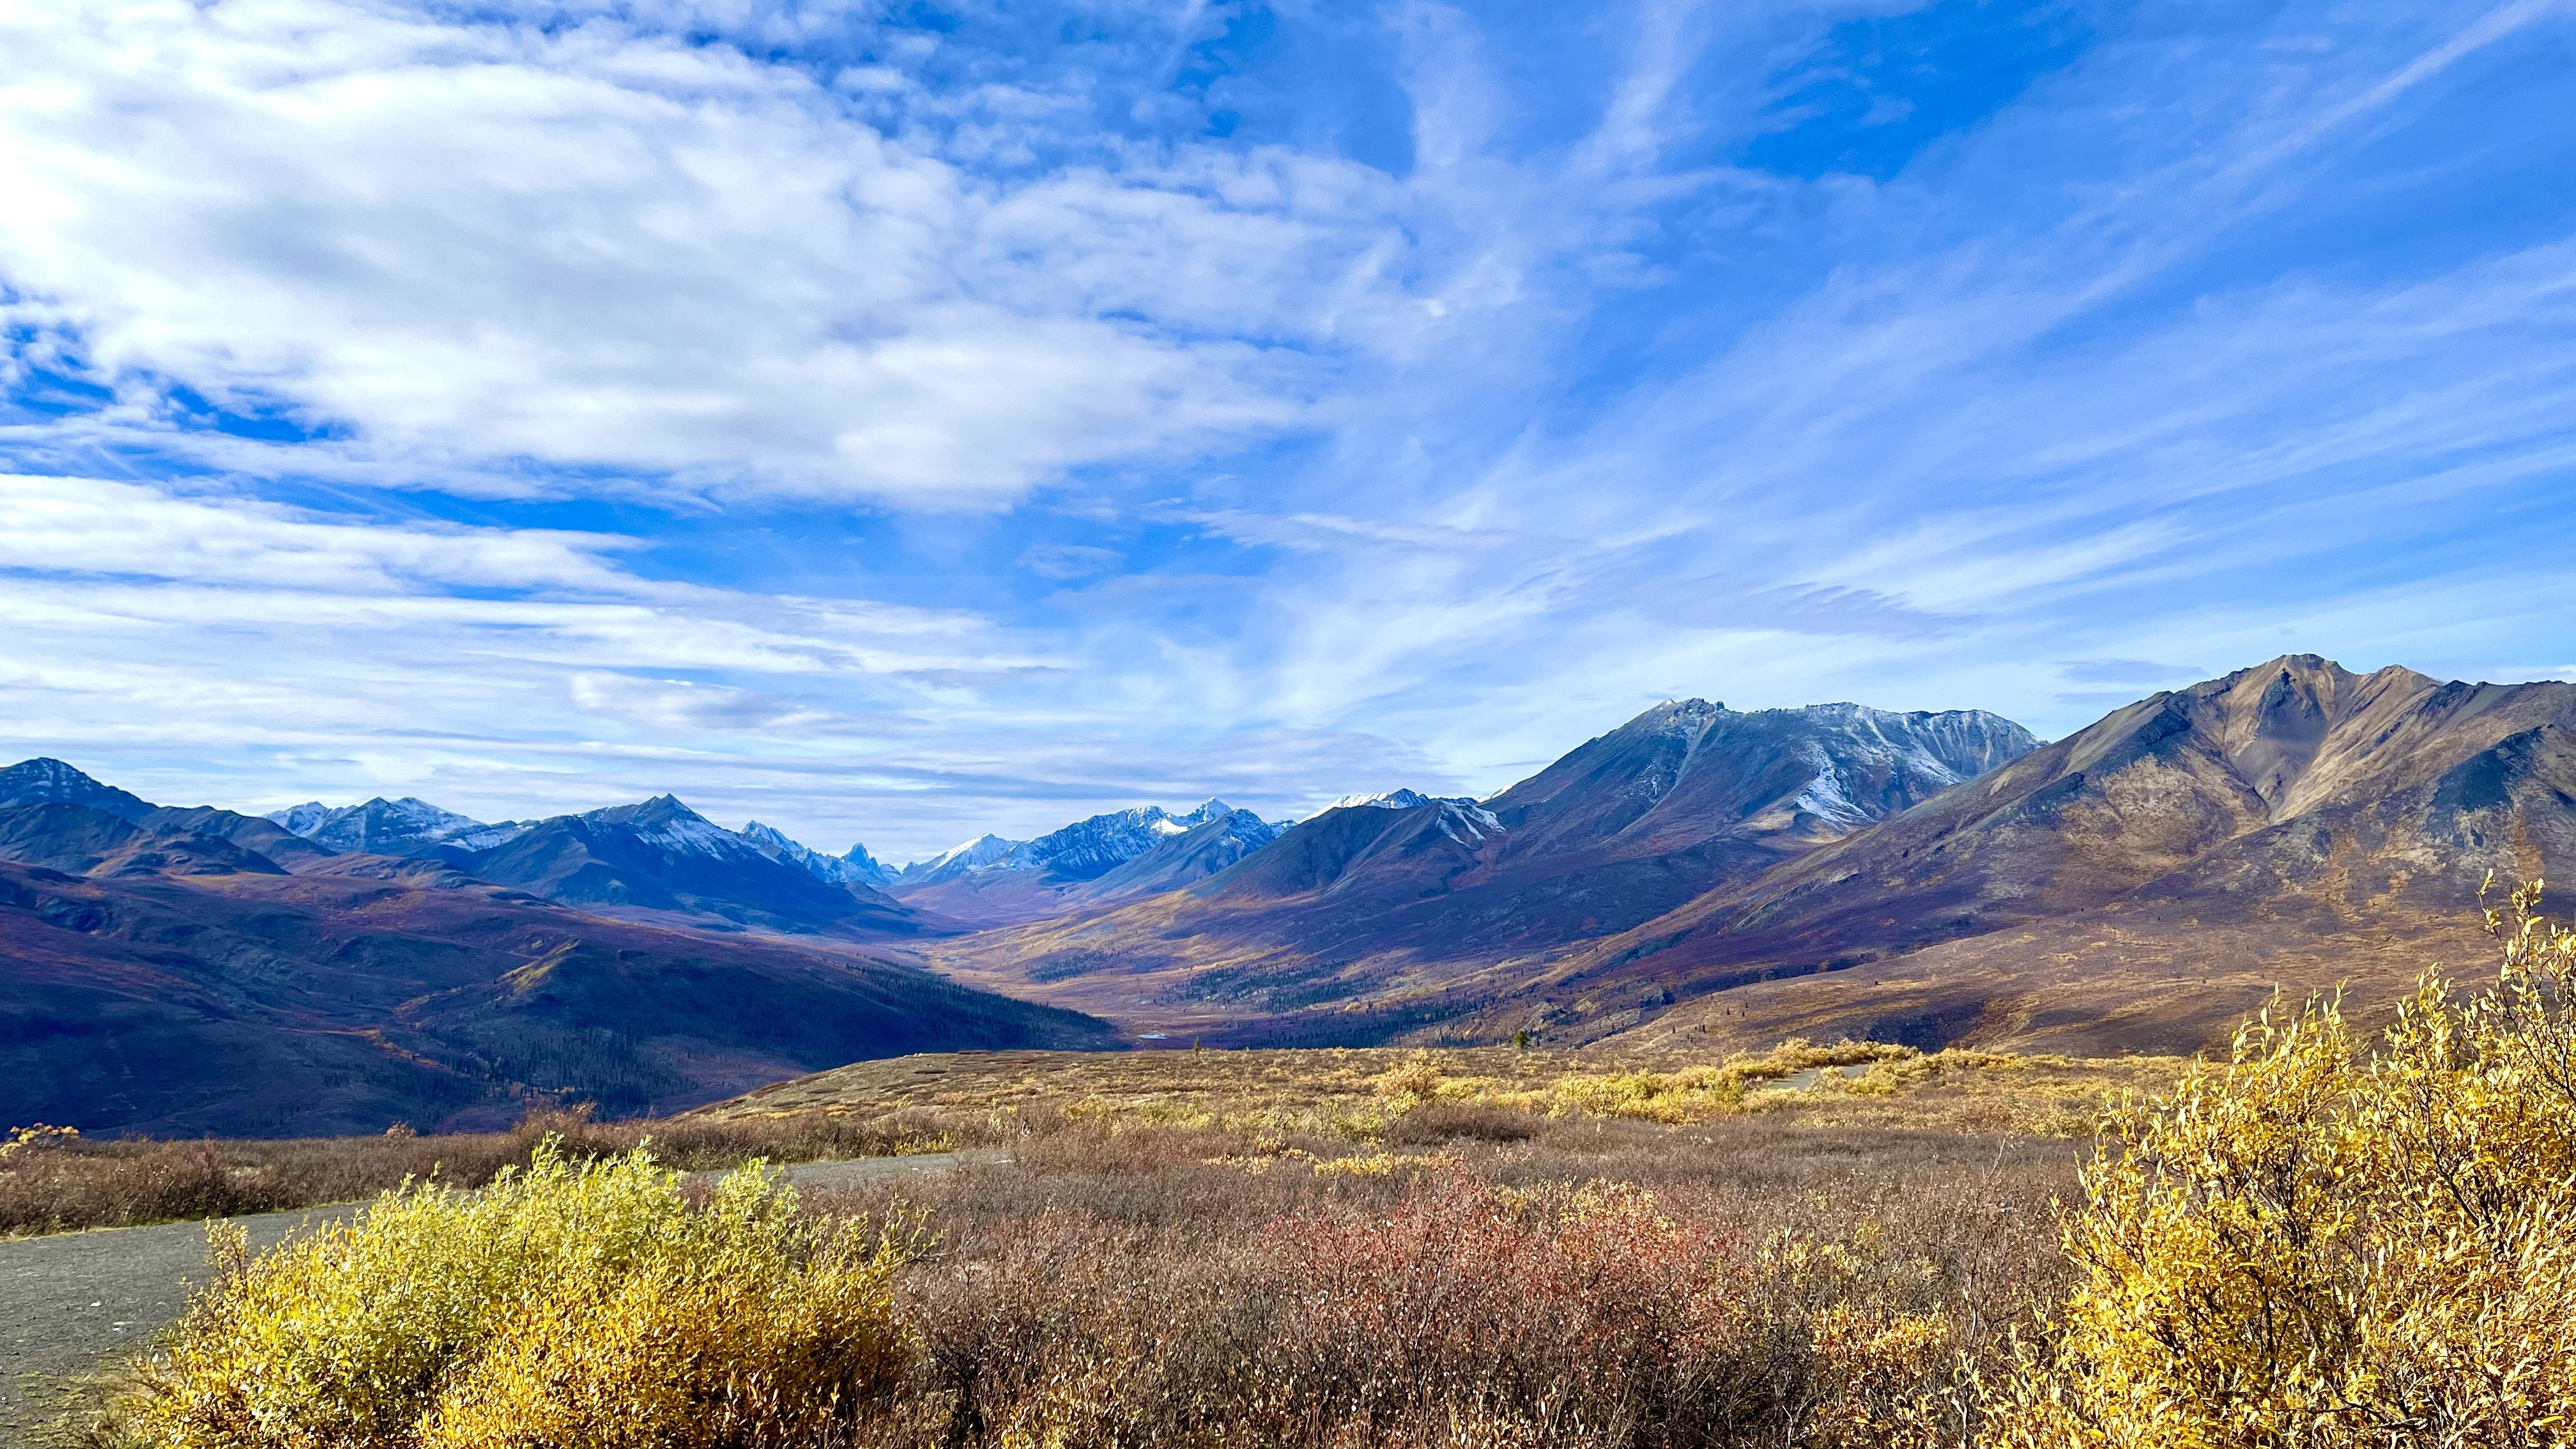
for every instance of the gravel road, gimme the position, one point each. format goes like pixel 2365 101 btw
pixel 70 1301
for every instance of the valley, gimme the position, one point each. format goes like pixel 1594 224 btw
pixel 1699 879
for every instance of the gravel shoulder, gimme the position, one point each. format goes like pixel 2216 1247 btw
pixel 75 1300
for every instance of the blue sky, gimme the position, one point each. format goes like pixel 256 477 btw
pixel 898 422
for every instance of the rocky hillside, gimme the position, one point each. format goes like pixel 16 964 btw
pixel 1385 903
pixel 2138 885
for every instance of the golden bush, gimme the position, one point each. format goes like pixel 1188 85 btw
pixel 572 1305
pixel 2315 1245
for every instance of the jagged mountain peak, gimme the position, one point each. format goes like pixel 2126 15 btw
pixel 1680 774
pixel 855 867
pixel 958 860
pixel 865 867
pixel 1094 846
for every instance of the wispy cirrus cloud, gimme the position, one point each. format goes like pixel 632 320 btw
pixel 900 425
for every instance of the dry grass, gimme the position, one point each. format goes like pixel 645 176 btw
pixel 1814 1246
pixel 59 1183
pixel 1361 1091
pixel 927 1103
pixel 1503 1277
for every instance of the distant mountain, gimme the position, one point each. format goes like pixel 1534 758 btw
pixel 54 816
pixel 195 970
pixel 51 782
pixel 1395 800
pixel 856 867
pixel 661 858
pixel 866 868
pixel 990 880
pixel 248 832
pixel 957 860
pixel 2141 884
pixel 78 840
pixel 1091 848
pixel 1185 859
pixel 1394 896
pixel 418 829
pixel 261 1003
pixel 380 826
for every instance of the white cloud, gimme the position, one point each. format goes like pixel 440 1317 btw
pixel 600 246
pixel 93 526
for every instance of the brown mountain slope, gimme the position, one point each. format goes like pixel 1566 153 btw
pixel 1398 902
pixel 2138 885
pixel 187 985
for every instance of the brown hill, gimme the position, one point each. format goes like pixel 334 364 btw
pixel 1400 903
pixel 2140 885
pixel 163 979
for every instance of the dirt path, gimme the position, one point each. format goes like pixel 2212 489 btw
pixel 70 1301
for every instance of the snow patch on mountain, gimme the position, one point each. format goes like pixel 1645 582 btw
pixel 1459 811
pixel 394 826
pixel 1383 800
pixel 663 821
pixel 1085 850
pixel 301 819
pixel 1826 799
pixel 983 850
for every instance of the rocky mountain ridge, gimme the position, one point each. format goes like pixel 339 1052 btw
pixel 2142 883
pixel 1710 878
pixel 1394 895
pixel 992 881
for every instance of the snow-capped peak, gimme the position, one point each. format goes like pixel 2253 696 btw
pixel 391 825
pixel 1477 820
pixel 301 819
pixel 1384 800
pixel 856 866
pixel 665 822
pixel 982 850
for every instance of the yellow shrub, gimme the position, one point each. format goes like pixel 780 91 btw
pixel 569 1306
pixel 2309 1246
pixel 1693 1094
pixel 1416 1079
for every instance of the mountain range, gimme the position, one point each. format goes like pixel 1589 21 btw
pixel 1710 879
pixel 989 880
pixel 1356 922
pixel 178 971
pixel 1698 876
pixel 2142 884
